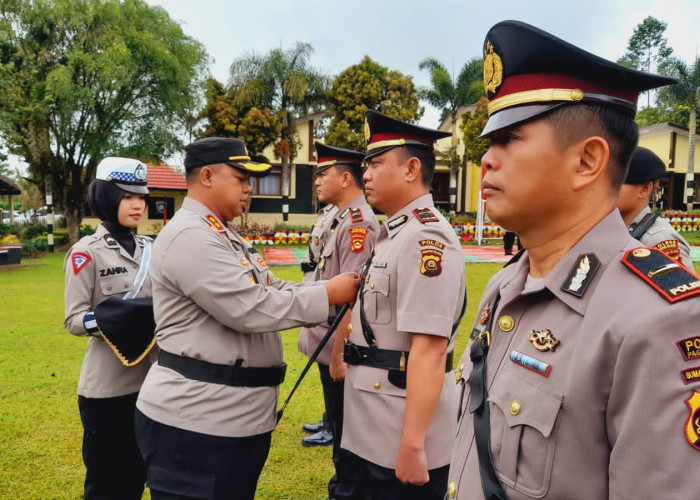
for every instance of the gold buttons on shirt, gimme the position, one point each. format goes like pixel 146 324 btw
pixel 506 323
pixel 349 327
pixel 514 407
pixel 315 241
pixel 371 286
pixel 377 385
pixel 452 489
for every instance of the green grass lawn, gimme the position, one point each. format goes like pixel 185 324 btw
pixel 40 431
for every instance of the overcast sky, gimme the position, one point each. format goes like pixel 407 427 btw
pixel 400 33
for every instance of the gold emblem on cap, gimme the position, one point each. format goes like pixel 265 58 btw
pixel 493 69
pixel 367 131
pixel 641 252
pixel 576 94
pixel 452 489
pixel 506 323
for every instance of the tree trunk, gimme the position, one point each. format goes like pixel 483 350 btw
pixel 690 176
pixel 73 221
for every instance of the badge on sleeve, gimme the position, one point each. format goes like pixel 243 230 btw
pixel 690 348
pixel 357 239
pixel 431 262
pixel 691 375
pixel 670 248
pixel 79 261
pixel 692 425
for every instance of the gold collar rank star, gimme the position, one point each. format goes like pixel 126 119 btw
pixel 543 340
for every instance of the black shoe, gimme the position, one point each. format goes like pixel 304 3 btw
pixel 321 438
pixel 509 253
pixel 312 428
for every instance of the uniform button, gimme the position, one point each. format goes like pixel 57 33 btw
pixel 371 286
pixel 332 231
pixel 349 327
pixel 315 241
pixel 377 385
pixel 452 489
pixel 506 323
pixel 109 288
pixel 514 407
pixel 126 285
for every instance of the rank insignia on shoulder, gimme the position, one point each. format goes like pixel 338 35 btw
pixel 431 262
pixel 79 261
pixel 690 348
pixel 670 279
pixel 692 425
pixel 581 275
pixel 425 215
pixel 357 239
pixel 262 262
pixel 110 242
pixel 398 221
pixel 670 248
pixel 356 215
pixel 244 261
pixel 691 375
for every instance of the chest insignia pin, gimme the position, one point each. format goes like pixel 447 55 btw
pixel 543 340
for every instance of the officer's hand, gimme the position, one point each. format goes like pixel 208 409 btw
pixel 337 369
pixel 342 289
pixel 412 466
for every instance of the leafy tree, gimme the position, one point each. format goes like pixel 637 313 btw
pixel 685 94
pixel 473 122
pixel 283 82
pixel 368 85
pixel 81 79
pixel 449 95
pixel 647 48
pixel 257 128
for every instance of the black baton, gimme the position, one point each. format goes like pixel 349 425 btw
pixel 313 357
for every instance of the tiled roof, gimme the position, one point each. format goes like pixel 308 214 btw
pixel 165 177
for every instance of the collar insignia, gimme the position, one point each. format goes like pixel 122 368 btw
pixel 110 242
pixel 214 223
pixel 398 221
pixel 244 261
pixel 581 275
pixel 485 314
pixel 543 340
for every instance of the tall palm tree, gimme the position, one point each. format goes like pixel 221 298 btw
pixel 449 95
pixel 282 81
pixel 685 93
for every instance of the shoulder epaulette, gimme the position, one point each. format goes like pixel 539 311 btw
pixel 356 215
pixel 425 215
pixel 669 278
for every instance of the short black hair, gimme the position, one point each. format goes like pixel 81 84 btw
pixel 574 122
pixel 192 174
pixel 426 158
pixel 354 170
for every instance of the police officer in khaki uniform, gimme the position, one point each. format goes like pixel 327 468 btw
pixel 351 237
pixel 400 401
pixel 639 189
pixel 206 411
pixel 581 381
pixel 100 266
pixel 320 233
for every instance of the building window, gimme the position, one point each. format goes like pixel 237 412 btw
pixel 270 185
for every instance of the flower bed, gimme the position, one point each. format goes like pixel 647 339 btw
pixel 683 221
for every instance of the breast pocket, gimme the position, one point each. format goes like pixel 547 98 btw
pixel 375 297
pixel 524 424
pixel 113 285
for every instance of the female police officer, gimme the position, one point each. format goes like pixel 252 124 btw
pixel 110 263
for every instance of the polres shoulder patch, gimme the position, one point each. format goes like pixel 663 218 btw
pixel 670 248
pixel 425 215
pixel 670 279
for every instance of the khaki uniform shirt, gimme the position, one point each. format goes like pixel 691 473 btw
pixel 608 419
pixel 661 235
pixel 348 246
pixel 414 285
pixel 320 233
pixel 97 268
pixel 215 300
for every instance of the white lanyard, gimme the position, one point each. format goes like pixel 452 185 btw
pixel 142 272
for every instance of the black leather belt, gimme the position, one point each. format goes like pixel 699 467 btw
pixel 385 359
pixel 307 267
pixel 233 375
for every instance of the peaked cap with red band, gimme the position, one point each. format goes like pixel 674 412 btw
pixel 528 72
pixel 383 133
pixel 331 155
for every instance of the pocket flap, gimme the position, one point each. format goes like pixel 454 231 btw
pixel 375 380
pixel 377 283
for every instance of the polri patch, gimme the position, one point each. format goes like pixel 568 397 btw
pixel 691 375
pixel 670 279
pixel 356 215
pixel 581 275
pixel 425 215
pixel 431 262
pixel 432 243
pixel 398 221
pixel 357 239
pixel 690 348
pixel 79 261
pixel 692 425
pixel 670 248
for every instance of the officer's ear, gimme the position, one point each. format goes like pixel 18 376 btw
pixel 206 175
pixel 413 168
pixel 592 156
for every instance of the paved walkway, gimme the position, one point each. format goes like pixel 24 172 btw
pixel 282 256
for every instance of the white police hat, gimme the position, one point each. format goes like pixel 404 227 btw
pixel 127 173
